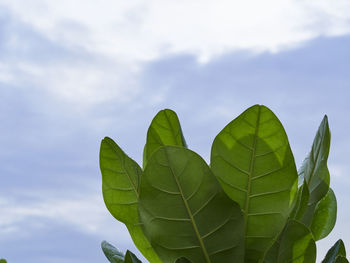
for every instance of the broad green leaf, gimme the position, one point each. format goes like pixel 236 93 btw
pixel 120 182
pixel 294 245
pixel 182 260
pixel 164 130
pixel 325 216
pixel 120 186
pixel 341 259
pixel 301 202
pixel 140 240
pixel 314 169
pixel 252 160
pixel 184 211
pixel 112 253
pixel 131 258
pixel 338 249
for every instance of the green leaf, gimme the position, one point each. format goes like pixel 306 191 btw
pixel 131 258
pixel 341 259
pixel 182 260
pixel 120 186
pixel 120 182
pixel 338 249
pixel 165 129
pixel 325 216
pixel 112 253
pixel 302 202
pixel 294 245
pixel 314 169
pixel 184 211
pixel 3 261
pixel 252 160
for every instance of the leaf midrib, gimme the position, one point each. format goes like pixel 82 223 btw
pixel 251 170
pixel 171 127
pixel 123 167
pixel 201 243
pixel 312 173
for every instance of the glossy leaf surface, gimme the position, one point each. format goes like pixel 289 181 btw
pixel 184 211
pixel 120 186
pixel 112 253
pixel 301 203
pixel 252 160
pixel 294 245
pixel 314 169
pixel 338 249
pixel 325 216
pixel 165 129
pixel 131 258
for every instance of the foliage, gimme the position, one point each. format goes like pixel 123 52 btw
pixel 3 261
pixel 249 205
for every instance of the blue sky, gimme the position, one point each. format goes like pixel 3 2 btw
pixel 69 77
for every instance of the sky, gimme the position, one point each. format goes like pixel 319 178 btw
pixel 72 72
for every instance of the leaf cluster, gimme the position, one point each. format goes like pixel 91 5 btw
pixel 249 205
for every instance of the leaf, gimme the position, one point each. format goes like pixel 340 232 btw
pixel 252 160
pixel 165 129
pixel 341 259
pixel 325 216
pixel 184 211
pixel 302 202
pixel 182 260
pixel 3 261
pixel 131 258
pixel 120 187
pixel 112 253
pixel 294 245
pixel 338 249
pixel 314 169
pixel 120 182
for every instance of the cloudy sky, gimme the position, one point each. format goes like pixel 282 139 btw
pixel 72 72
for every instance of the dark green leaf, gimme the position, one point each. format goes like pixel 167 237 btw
pixel 3 261
pixel 294 245
pixel 325 216
pixel 302 202
pixel 164 130
pixel 112 253
pixel 252 160
pixel 120 186
pixel 182 260
pixel 341 259
pixel 338 249
pixel 314 169
pixel 131 258
pixel 184 211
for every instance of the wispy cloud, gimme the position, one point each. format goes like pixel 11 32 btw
pixel 86 54
pixel 142 30
pixel 85 213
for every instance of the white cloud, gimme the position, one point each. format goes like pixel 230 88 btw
pixel 86 213
pixel 129 33
pixel 142 30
